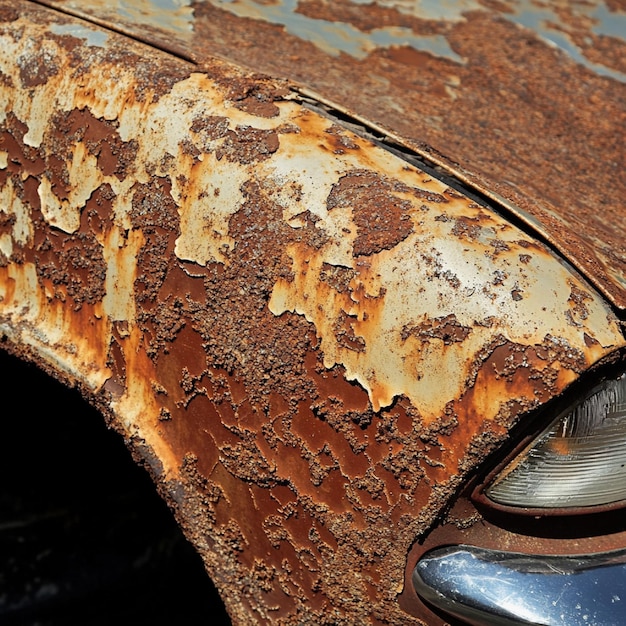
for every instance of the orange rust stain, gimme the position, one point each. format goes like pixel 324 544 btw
pixel 303 494
pixel 8 285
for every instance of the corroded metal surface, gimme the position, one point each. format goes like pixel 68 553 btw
pixel 525 99
pixel 310 341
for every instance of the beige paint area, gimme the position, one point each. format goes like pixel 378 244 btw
pixel 492 278
pixel 29 317
pixel 397 298
pixel 489 281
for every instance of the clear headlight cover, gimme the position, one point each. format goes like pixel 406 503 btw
pixel 578 461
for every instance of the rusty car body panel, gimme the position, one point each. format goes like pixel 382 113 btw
pixel 311 341
pixel 524 99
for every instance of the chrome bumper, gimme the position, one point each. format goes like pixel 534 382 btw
pixel 482 587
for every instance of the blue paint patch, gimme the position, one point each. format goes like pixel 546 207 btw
pixel 337 37
pixel 92 37
pixel 605 22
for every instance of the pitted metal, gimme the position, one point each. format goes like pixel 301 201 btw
pixel 524 100
pixel 309 340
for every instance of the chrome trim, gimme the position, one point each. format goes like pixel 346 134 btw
pixel 483 587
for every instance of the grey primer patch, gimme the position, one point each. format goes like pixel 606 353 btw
pixel 446 10
pixel 336 37
pixel 166 14
pixel 92 37
pixel 611 24
pixel 169 15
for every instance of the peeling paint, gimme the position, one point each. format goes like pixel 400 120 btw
pixel 449 10
pixel 335 37
pixel 549 25
pixel 281 316
pixel 12 206
pixel 121 250
pixel 545 78
pixel 91 36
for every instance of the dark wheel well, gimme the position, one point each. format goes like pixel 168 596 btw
pixel 84 537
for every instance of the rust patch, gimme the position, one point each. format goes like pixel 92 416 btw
pixel 340 142
pixel 345 335
pixel 310 342
pixel 71 267
pixel 152 83
pixel 153 208
pixel 469 229
pixel 100 138
pixel 246 145
pixel 339 278
pixel 578 311
pixel 36 67
pixel 381 218
pixel 26 158
pixel 208 129
pixel 259 105
pixel 517 294
pixel 447 329
pixel 364 17
pixel 253 94
pixel 8 14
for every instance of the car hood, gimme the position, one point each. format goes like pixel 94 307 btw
pixel 524 101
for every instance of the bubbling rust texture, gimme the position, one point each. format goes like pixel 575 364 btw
pixel 309 342
pixel 524 98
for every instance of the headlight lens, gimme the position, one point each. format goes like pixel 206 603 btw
pixel 578 461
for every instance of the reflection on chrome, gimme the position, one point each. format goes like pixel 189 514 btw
pixel 483 586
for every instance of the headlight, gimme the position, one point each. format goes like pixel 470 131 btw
pixel 578 461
